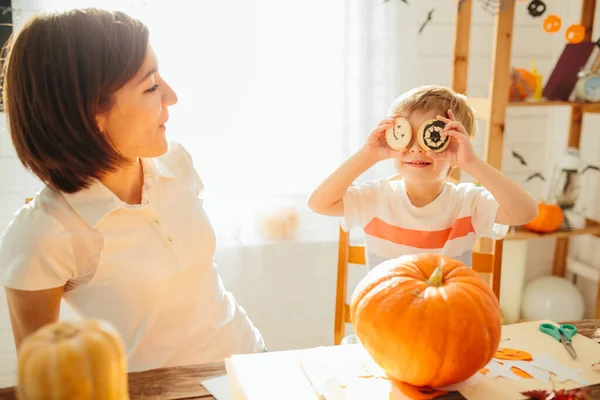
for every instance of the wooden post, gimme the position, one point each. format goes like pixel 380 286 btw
pixel 497 273
pixel 460 66
pixel 339 326
pixel 501 59
pixel 588 10
pixel 462 34
pixel 561 248
pixel 575 121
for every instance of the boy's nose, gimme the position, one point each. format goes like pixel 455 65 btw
pixel 415 147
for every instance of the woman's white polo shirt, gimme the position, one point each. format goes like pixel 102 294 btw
pixel 146 268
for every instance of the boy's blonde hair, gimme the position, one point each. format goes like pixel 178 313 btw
pixel 437 99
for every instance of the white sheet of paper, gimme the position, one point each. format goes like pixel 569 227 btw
pixel 279 375
pixel 541 375
pixel 218 387
pixel 563 374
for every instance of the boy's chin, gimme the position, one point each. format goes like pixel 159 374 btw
pixel 422 175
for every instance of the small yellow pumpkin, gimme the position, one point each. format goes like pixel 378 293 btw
pixel 73 360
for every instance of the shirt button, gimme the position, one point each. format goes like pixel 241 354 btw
pixel 147 201
pixel 156 221
pixel 170 239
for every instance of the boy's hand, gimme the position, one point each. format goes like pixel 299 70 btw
pixel 460 150
pixel 376 146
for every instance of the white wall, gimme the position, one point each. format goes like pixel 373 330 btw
pixel 288 289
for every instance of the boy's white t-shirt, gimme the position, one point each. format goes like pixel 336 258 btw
pixel 147 269
pixel 393 226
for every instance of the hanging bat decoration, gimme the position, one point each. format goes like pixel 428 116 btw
pixel 536 175
pixel 590 167
pixel 536 8
pixel 429 18
pixel 519 157
pixel 598 42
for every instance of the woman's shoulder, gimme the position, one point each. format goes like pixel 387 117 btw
pixel 36 222
pixel 36 251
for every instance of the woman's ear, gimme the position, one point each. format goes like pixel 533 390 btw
pixel 101 122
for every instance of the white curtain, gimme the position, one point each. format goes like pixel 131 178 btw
pixel 381 63
pixel 273 94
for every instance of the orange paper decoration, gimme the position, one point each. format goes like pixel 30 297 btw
pixel 552 23
pixel 575 33
pixel 519 372
pixel 512 354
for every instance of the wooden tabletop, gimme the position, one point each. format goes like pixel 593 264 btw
pixel 184 382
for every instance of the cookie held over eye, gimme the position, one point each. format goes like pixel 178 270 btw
pixel 399 135
pixel 430 138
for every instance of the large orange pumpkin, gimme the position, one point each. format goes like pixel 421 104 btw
pixel 549 219
pixel 81 360
pixel 426 320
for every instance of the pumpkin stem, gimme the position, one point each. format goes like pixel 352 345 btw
pixel 437 277
pixel 65 331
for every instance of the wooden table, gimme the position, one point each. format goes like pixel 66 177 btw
pixel 184 382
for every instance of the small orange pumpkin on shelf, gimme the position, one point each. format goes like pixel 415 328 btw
pixel 522 84
pixel 426 319
pixel 72 360
pixel 549 219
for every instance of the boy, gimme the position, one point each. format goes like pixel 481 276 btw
pixel 423 212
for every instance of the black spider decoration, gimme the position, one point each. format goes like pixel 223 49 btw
pixel 431 135
pixel 536 8
pixel 492 6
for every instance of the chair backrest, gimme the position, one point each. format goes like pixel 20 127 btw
pixel 355 254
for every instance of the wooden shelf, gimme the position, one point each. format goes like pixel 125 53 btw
pixel 482 105
pixel 519 233
pixel 586 107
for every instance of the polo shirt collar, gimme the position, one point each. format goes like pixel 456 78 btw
pixel 94 203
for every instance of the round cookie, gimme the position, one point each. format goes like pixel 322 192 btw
pixel 399 135
pixel 429 136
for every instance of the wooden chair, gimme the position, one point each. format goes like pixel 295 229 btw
pixel 484 263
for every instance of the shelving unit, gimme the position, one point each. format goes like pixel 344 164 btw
pixel 493 110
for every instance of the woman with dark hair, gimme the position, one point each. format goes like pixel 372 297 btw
pixel 118 230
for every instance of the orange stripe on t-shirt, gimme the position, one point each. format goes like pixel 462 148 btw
pixel 419 239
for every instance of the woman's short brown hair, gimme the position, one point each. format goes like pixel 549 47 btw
pixel 62 70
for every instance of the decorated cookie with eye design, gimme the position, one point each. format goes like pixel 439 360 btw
pixel 399 135
pixel 430 138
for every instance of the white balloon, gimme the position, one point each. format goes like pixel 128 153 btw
pixel 552 297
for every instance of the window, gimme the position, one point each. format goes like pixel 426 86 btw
pixel 260 89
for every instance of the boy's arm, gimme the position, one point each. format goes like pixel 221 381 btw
pixel 327 197
pixel 516 206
